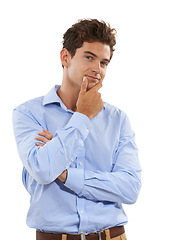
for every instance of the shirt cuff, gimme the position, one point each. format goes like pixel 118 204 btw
pixel 75 179
pixel 81 122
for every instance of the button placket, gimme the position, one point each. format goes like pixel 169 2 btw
pixel 80 201
pixel 80 159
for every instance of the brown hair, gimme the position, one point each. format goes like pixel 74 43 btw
pixel 89 30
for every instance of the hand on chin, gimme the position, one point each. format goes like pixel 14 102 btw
pixel 91 84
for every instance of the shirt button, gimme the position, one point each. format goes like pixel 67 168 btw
pixel 71 189
pixel 82 211
pixel 87 130
pixel 80 163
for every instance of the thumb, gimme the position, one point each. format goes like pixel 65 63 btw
pixel 84 86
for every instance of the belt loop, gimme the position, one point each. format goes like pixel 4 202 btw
pixel 83 236
pixel 99 235
pixel 107 233
pixel 64 236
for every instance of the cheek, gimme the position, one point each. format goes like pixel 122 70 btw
pixel 76 73
pixel 103 73
pixel 74 70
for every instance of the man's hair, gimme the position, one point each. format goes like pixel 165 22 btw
pixel 89 30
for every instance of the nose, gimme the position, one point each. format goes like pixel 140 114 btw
pixel 96 68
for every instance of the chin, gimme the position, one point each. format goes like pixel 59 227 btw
pixel 90 85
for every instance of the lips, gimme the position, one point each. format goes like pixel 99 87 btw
pixel 93 78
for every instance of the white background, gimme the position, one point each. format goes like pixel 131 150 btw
pixel 145 79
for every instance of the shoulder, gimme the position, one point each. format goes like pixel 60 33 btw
pixel 114 111
pixel 119 120
pixel 30 108
pixel 30 104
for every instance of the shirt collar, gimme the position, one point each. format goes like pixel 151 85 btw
pixel 52 97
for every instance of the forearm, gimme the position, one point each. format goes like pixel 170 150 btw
pixel 46 163
pixel 120 187
pixel 122 184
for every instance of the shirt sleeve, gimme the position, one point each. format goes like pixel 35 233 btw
pixel 46 163
pixel 122 184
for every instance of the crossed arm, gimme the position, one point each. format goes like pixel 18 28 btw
pixel 119 186
pixel 43 138
pixel 45 158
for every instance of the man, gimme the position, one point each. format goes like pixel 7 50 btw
pixel 79 154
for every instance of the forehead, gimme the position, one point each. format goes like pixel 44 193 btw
pixel 101 50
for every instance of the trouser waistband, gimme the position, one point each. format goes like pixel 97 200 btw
pixel 105 234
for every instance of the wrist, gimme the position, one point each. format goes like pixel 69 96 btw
pixel 84 113
pixel 63 177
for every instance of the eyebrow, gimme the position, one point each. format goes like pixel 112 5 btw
pixel 93 54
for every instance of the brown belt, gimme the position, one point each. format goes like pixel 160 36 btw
pixel 103 235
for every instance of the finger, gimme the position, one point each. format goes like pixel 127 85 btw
pixel 40 144
pixel 42 139
pixel 96 87
pixel 43 134
pixel 46 131
pixel 46 134
pixel 84 86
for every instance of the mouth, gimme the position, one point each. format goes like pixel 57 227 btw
pixel 93 78
pixel 92 81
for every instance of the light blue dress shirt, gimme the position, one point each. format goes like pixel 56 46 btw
pixel 101 158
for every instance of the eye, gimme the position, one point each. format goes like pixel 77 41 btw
pixel 104 63
pixel 89 57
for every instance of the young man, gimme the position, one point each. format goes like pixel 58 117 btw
pixel 79 154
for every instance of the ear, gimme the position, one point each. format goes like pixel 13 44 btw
pixel 65 57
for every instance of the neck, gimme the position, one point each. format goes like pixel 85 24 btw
pixel 68 94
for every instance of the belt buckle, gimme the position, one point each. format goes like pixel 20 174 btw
pixel 83 236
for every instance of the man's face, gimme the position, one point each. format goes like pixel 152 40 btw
pixel 91 61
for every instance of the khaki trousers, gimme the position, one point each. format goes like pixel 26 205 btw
pixel 121 237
